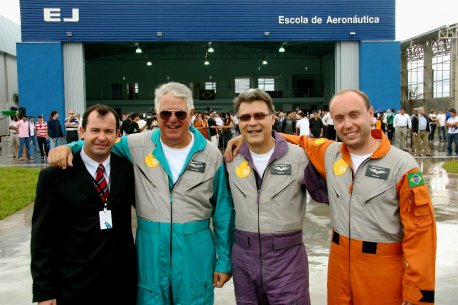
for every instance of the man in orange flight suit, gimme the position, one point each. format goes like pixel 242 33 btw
pixel 383 247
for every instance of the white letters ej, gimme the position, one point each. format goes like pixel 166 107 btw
pixel 54 15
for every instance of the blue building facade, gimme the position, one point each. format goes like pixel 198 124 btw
pixel 367 57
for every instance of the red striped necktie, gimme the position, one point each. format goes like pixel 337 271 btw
pixel 101 183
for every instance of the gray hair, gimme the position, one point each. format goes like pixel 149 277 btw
pixel 175 89
pixel 254 95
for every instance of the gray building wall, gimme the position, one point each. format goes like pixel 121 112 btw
pixel 10 33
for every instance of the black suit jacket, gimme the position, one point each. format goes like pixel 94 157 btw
pixel 73 260
pixel 416 123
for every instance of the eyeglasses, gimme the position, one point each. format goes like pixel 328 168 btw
pixel 259 116
pixel 166 114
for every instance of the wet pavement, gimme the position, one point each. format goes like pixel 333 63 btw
pixel 16 282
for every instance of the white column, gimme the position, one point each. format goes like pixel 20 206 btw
pixel 347 65
pixel 74 77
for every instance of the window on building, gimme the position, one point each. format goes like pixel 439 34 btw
pixel 132 90
pixel 266 83
pixel 415 79
pixel 440 67
pixel 441 75
pixel 210 86
pixel 242 84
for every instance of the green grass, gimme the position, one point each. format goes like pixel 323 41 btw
pixel 17 188
pixel 451 167
pixel 18 184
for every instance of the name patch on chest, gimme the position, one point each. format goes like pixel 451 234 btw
pixel 281 169
pixel 377 172
pixel 196 166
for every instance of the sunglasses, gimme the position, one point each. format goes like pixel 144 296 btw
pixel 259 116
pixel 180 114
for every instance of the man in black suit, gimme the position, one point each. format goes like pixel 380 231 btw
pixel 82 245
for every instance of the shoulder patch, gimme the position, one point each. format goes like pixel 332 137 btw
pixel 151 161
pixel 319 141
pixel 415 179
pixel 340 167
pixel 243 170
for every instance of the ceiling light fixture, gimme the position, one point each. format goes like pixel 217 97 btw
pixel 138 50
pixel 264 62
pixel 210 48
pixel 281 50
pixel 206 62
pixel 149 63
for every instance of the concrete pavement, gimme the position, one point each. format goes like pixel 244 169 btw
pixel 16 282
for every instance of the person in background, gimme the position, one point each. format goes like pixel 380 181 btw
pixel 389 123
pixel 82 247
pixel 23 128
pixel 226 129
pixel 329 125
pixel 432 120
pixel 316 125
pixel 154 124
pixel 401 124
pixel 289 123
pixel 13 137
pixel 33 136
pixel 142 124
pixel 279 121
pixel 124 129
pixel 235 128
pixel 302 125
pixel 420 132
pixel 80 123
pixel 133 126
pixel 214 129
pixel 201 125
pixel 441 125
pixel 452 135
pixel 54 130
pixel 41 128
pixel 380 123
pixel 71 127
pixel 219 122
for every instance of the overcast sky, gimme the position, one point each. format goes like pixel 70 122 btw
pixel 413 17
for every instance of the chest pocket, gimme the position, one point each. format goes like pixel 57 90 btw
pixel 283 189
pixel 378 194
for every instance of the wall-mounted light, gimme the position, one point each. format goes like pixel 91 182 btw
pixel 68 34
pixel 159 34
pixel 352 33
pixel 266 33
pixel 281 50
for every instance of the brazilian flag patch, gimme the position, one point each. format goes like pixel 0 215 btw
pixel 416 179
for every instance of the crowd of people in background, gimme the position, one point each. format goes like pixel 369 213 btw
pixel 220 127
